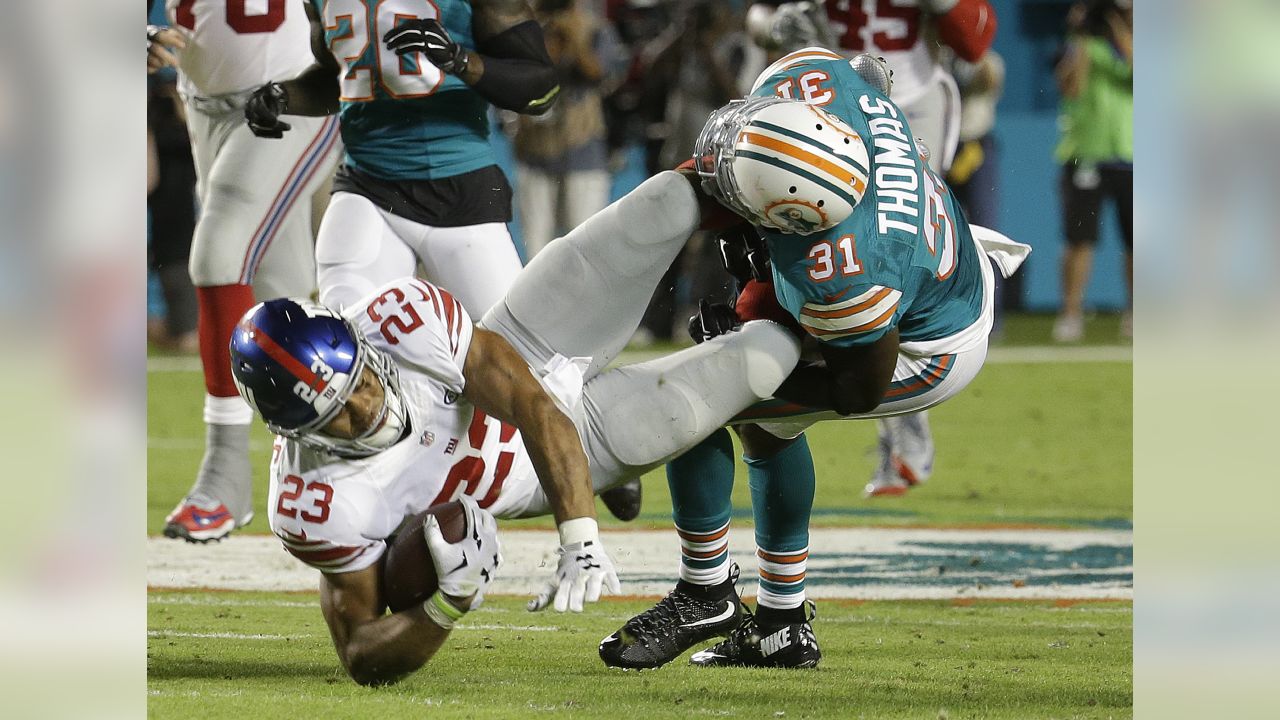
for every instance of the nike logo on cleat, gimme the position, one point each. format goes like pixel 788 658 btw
pixel 775 642
pixel 724 615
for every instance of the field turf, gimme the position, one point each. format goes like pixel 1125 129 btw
pixel 268 655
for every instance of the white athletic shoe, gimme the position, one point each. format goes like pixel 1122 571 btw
pixel 1068 329
pixel 906 455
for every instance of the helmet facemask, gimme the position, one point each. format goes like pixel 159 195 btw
pixel 386 429
pixel 713 154
pixel 782 164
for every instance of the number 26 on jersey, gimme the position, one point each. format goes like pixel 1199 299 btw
pixel 353 31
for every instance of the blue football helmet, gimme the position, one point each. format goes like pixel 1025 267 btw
pixel 297 362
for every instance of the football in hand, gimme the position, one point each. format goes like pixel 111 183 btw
pixel 408 574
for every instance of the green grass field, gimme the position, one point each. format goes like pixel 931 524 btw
pixel 268 655
pixel 1035 444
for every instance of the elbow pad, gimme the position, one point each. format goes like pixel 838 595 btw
pixel 968 27
pixel 518 72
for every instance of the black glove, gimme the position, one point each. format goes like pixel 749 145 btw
pixel 262 111
pixel 712 320
pixel 743 253
pixel 428 37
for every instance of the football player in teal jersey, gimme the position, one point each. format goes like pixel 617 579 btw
pixel 873 263
pixel 412 82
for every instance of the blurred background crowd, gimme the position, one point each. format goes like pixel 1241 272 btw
pixel 1037 158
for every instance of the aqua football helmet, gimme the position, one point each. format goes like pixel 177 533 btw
pixel 782 164
pixel 297 363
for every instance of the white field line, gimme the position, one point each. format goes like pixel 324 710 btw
pixel 161 634
pixel 1029 355
pixel 860 563
pixel 220 635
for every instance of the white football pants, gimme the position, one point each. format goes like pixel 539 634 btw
pixel 584 295
pixel 255 199
pixel 362 247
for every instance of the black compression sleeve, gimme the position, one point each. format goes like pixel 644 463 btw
pixel 518 72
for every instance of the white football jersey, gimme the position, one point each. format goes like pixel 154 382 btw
pixel 236 45
pixel 897 30
pixel 335 514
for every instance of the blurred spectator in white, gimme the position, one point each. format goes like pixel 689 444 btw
pixel 562 169
pixel 1095 78
pixel 171 205
pixel 975 173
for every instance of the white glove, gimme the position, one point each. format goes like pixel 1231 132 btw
pixel 466 568
pixel 583 571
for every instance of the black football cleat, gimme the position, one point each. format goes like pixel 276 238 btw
pixel 623 500
pixel 679 621
pixel 756 645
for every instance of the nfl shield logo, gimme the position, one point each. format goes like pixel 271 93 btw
pixel 427 438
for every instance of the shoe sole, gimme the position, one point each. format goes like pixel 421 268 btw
pixel 624 664
pixel 178 532
pixel 806 665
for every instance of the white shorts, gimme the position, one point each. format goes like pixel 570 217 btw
pixel 361 247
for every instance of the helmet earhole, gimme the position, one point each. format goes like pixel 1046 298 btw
pixel 821 203
pixel 791 189
pixel 818 126
pixel 846 141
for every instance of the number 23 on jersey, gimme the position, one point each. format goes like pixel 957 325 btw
pixel 354 30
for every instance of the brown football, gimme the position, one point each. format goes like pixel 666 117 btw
pixel 408 574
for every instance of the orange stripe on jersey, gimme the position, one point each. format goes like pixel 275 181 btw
pixel 803 55
pixel 851 310
pixel 793 558
pixel 781 578
pixel 697 538
pixel 845 176
pixel 865 327
pixel 931 378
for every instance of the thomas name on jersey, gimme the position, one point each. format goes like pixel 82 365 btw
pixel 897 168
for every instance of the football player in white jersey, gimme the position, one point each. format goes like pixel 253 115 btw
pixel 254 235
pixel 909 35
pixel 399 403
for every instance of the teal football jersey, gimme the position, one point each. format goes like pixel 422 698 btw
pixel 402 118
pixel 905 257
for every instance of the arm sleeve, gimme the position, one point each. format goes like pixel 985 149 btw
pixel 518 72
pixel 968 27
pixel 859 317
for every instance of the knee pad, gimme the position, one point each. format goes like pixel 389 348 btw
pixel 665 205
pixel 662 211
pixel 649 412
pixel 767 353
